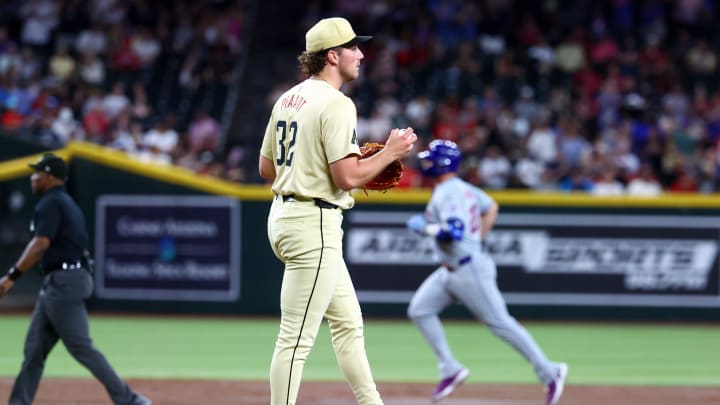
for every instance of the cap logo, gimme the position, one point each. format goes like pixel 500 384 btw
pixel 52 165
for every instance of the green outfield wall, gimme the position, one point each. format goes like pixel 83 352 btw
pixel 169 240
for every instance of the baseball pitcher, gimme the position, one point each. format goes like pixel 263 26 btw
pixel 311 154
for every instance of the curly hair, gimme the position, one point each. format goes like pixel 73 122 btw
pixel 312 63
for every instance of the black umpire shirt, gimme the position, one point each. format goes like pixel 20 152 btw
pixel 58 218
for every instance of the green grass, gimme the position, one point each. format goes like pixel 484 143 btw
pixel 239 348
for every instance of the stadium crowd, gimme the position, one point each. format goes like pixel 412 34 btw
pixel 141 76
pixel 609 97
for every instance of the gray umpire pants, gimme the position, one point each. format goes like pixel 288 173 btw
pixel 60 313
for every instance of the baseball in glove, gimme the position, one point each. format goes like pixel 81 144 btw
pixel 389 177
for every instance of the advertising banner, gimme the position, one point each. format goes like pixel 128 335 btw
pixel 167 248
pixel 554 259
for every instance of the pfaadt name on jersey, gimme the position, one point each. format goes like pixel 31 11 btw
pixel 294 101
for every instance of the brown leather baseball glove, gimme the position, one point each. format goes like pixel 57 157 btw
pixel 389 177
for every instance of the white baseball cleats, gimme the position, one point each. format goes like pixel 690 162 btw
pixel 554 389
pixel 448 385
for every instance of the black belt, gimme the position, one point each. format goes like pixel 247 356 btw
pixel 320 203
pixel 64 265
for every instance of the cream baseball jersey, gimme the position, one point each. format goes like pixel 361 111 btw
pixel 311 125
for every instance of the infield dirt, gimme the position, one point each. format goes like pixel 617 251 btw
pixel 61 391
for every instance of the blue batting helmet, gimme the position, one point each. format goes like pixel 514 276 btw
pixel 441 157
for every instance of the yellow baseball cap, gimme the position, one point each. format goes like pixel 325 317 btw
pixel 329 33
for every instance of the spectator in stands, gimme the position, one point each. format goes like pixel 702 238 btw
pixel 42 100
pixel 40 17
pixel 542 142
pixel 606 183
pixel 10 60
pixel 108 12
pixel 211 165
pixel 121 136
pixel 66 128
pixel 145 46
pixel 124 58
pixel 494 169
pixel 530 173
pixel 233 24
pixel 446 119
pixel 140 108
pixel 19 99
pixel 92 99
pixel 161 140
pixel 234 170
pixel 604 50
pixel 92 40
pixel 684 182
pixel 419 112
pixel 676 103
pixel 655 65
pixel 573 147
pixel 570 54
pixel 374 128
pixel 116 101
pixel 30 66
pixel 91 70
pixel 621 156
pixel 183 156
pixel 645 184
pixel 62 65
pixel 96 123
pixel 204 133
pixel 526 107
pixel 577 180
pixel 542 52
pixel 12 118
pixel 702 64
pixel 41 120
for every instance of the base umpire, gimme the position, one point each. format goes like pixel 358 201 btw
pixel 60 243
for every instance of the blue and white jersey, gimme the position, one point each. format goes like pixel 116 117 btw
pixel 455 199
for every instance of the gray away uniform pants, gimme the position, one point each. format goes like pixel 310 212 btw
pixel 474 285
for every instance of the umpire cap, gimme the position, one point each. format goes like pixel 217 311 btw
pixel 51 164
pixel 329 33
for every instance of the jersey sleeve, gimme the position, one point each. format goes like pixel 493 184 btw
pixel 339 130
pixel 432 211
pixel 484 199
pixel 48 215
pixel 269 139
